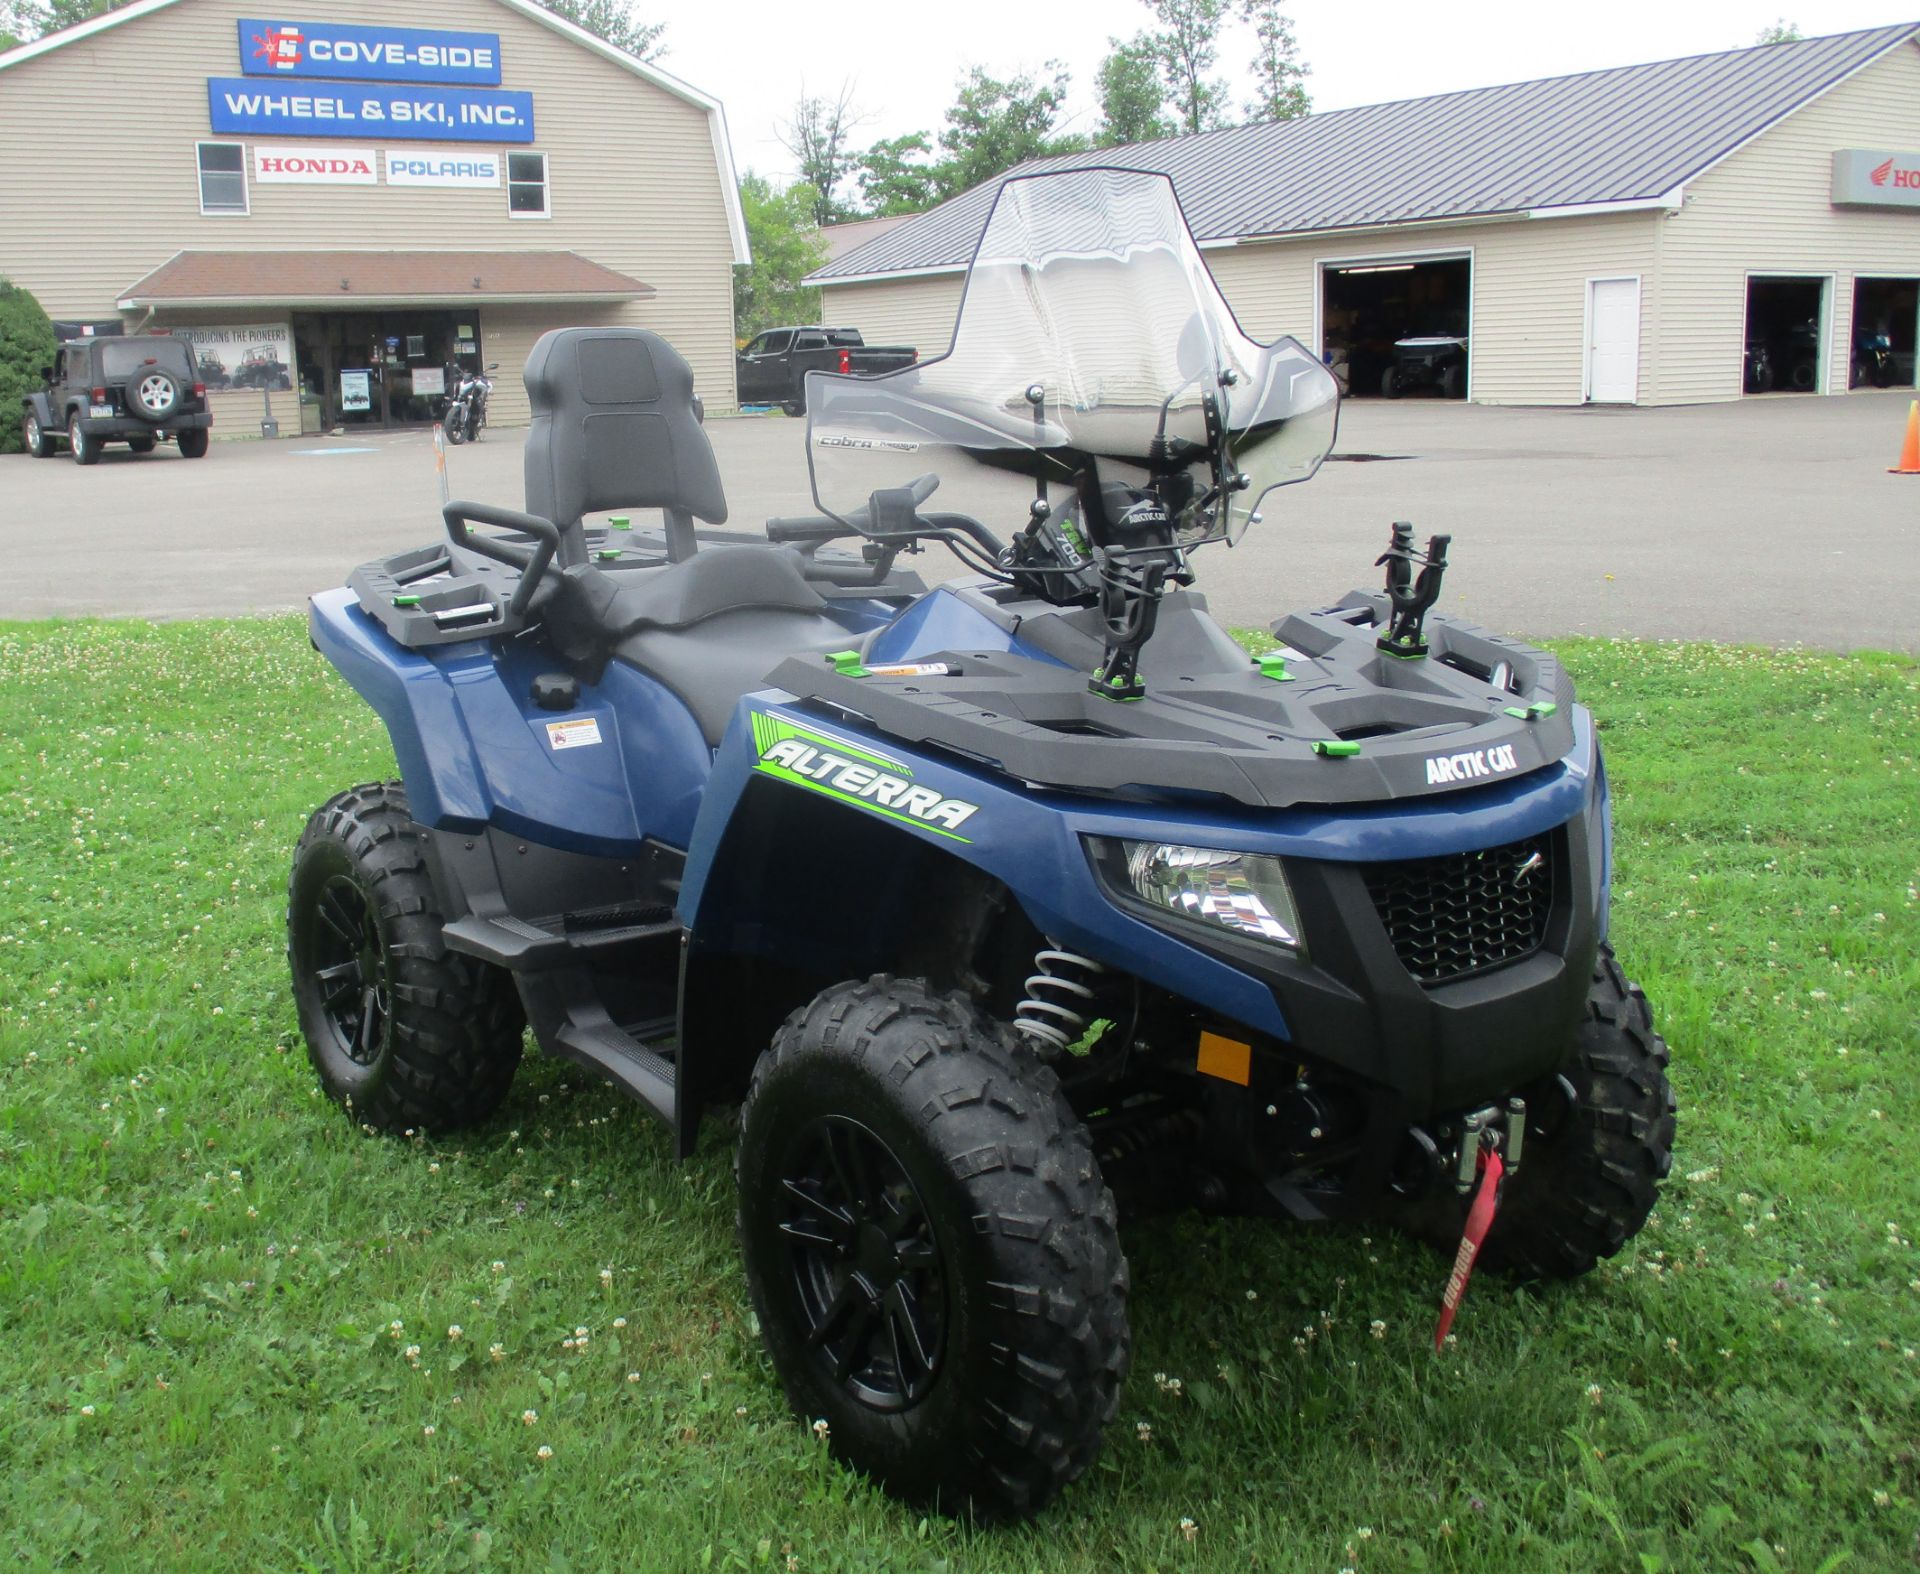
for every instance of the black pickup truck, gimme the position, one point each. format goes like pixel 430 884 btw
pixel 773 368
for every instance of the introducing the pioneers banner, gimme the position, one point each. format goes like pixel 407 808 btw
pixel 252 355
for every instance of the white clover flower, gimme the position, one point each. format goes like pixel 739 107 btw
pixel 1143 1432
pixel 633 1377
pixel 86 1410
pixel 499 1266
pixel 497 1351
pixel 453 1330
pixel 606 1276
pixel 619 1322
pixel 1189 1529
pixel 544 1452
pixel 1594 1393
pixel 528 1417
pixel 1379 1328
pixel 821 1429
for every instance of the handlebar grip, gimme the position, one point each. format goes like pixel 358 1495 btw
pixel 807 527
pixel 532 564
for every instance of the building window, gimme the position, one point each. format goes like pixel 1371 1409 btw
pixel 526 185
pixel 223 177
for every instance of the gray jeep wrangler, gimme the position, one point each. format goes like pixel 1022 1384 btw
pixel 140 390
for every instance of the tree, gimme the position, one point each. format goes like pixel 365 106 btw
pixel 21 21
pixel 1187 47
pixel 26 345
pixel 994 125
pixel 817 137
pixel 786 244
pixel 1782 32
pixel 1279 74
pixel 1132 101
pixel 612 20
pixel 896 175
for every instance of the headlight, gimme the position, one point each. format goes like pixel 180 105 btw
pixel 1243 892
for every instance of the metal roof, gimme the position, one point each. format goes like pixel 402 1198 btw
pixel 1629 136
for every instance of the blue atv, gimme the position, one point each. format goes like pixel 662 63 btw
pixel 990 903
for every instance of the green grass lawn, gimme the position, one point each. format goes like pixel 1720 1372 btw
pixel 240 1334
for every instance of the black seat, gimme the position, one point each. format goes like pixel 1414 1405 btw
pixel 614 426
pixel 729 654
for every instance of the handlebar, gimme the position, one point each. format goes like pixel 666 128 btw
pixel 531 563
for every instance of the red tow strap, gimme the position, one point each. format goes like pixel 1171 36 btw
pixel 1479 1220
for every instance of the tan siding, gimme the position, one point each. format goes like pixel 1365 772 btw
pixel 1769 209
pixel 634 181
pixel 918 312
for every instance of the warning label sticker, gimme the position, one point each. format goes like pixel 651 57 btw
pixel 573 734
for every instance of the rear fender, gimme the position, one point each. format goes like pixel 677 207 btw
pixel 474 750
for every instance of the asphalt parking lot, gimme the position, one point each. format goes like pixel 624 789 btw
pixel 1770 521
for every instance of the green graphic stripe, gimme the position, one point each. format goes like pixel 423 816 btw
pixel 781 773
pixel 769 730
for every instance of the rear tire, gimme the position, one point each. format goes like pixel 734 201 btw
pixel 794 406
pixel 1585 1188
pixel 405 1034
pixel 85 449
pixel 193 442
pixel 1390 383
pixel 930 1248
pixel 141 445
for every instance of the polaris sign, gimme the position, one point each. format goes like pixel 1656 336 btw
pixel 1875 178
pixel 237 106
pixel 442 169
pixel 368 54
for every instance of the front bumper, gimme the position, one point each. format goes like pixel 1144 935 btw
pixel 1353 1008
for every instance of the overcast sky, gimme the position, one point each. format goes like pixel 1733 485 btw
pixel 903 57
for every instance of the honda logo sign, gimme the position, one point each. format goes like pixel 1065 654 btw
pixel 309 166
pixel 1876 178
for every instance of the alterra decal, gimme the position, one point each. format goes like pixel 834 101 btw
pixel 857 776
pixel 1470 766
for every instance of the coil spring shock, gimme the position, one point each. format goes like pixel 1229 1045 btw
pixel 1055 1012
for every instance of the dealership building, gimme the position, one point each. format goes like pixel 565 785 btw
pixel 334 208
pixel 1684 231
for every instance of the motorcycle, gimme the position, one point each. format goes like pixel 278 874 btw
pixel 467 405
pixel 1872 358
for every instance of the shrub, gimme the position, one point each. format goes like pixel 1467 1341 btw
pixel 26 345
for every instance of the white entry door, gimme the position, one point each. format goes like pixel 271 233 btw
pixel 1613 341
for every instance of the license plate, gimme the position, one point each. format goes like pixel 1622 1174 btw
pixel 103 409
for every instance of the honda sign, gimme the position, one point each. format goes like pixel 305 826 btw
pixel 1876 178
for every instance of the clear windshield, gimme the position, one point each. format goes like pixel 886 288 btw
pixel 1091 340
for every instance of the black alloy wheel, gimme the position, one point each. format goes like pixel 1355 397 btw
pixel 931 1252
pixel 351 967
pixel 402 1032
pixel 867 1271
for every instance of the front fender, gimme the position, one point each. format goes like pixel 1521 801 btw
pixel 1034 842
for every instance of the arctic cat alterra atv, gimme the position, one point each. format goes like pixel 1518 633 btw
pixel 984 900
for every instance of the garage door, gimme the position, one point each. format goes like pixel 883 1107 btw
pixel 1613 341
pixel 1398 326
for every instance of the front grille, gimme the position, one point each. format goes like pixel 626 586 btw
pixel 1465 912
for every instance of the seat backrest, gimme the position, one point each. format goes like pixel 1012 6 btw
pixel 614 426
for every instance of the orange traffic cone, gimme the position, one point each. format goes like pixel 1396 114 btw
pixel 1910 450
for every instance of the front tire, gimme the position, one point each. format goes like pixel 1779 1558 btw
pixel 930 1248
pixel 1586 1185
pixel 1390 386
pixel 141 445
pixel 404 1033
pixel 34 437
